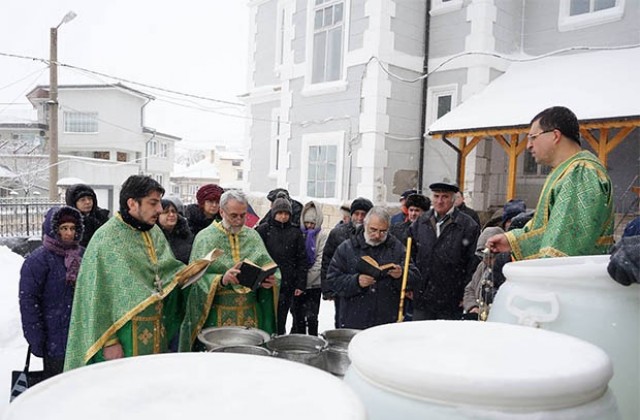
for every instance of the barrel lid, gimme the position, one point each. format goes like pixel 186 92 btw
pixel 193 385
pixel 484 364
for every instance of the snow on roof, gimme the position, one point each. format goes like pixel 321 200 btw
pixel 230 155
pixel 594 85
pixel 6 172
pixel 202 169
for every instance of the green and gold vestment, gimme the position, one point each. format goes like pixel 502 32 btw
pixel 209 304
pixel 574 215
pixel 118 298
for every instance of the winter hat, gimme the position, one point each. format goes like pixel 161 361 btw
pixel 361 203
pixel 512 208
pixel 166 203
pixel 311 215
pixel 418 200
pixel 407 193
pixel 76 192
pixel 67 218
pixel 486 234
pixel 276 193
pixel 520 220
pixel 208 192
pixel 281 205
pixel 444 186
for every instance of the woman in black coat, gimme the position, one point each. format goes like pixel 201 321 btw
pixel 83 198
pixel 176 229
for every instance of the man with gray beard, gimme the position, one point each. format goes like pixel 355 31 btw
pixel 367 300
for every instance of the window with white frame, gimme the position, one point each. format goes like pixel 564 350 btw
pixel 152 148
pixel 280 36
pixel 577 14
pixel 328 40
pixel 322 164
pixel 531 168
pixel 164 147
pixel 80 122
pixel 239 175
pixel 440 100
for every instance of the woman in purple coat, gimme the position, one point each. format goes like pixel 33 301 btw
pixel 47 281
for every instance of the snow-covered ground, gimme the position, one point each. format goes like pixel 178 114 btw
pixel 13 346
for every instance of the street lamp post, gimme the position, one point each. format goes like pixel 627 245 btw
pixel 53 107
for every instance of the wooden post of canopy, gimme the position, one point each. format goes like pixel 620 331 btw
pixel 513 148
pixel 465 148
pixel 603 146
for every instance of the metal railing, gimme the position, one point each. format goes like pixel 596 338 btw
pixel 23 216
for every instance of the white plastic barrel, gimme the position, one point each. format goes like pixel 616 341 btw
pixel 576 296
pixel 453 370
pixel 190 386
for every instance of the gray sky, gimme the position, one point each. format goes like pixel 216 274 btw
pixel 193 46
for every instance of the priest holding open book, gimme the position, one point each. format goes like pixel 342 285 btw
pixel 219 298
pixel 366 272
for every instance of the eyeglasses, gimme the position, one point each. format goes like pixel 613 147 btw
pixel 236 215
pixel 532 137
pixel 374 231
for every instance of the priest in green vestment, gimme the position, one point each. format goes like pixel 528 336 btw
pixel 574 215
pixel 218 299
pixel 126 302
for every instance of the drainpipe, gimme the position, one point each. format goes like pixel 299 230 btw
pixel 423 105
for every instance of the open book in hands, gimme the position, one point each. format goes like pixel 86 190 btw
pixel 251 275
pixel 367 265
pixel 196 269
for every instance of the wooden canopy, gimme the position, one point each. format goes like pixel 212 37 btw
pixel 598 133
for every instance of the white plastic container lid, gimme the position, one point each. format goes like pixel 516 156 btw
pixel 481 364
pixel 190 386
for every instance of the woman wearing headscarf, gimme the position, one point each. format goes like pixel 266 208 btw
pixel 47 284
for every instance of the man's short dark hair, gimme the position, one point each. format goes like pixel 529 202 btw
pixel 559 118
pixel 138 187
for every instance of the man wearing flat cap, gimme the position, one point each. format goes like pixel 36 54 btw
pixel 206 210
pixel 444 245
pixel 359 208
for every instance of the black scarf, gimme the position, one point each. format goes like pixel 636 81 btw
pixel 135 223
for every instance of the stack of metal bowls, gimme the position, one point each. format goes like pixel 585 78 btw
pixel 235 340
pixel 307 349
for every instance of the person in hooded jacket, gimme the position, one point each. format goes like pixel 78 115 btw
pixel 83 198
pixel 176 229
pixel 296 206
pixel 286 245
pixel 306 306
pixel 47 284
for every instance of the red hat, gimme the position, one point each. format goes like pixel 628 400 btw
pixel 209 192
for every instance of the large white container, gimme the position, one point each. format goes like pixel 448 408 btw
pixel 576 296
pixel 190 386
pixel 453 370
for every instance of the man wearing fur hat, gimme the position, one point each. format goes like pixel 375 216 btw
pixel 416 204
pixel 83 198
pixel 206 210
pixel 444 247
pixel 359 208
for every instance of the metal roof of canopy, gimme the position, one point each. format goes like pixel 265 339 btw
pixel 601 87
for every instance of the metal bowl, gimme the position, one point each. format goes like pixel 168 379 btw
pixel 307 349
pixel 215 337
pixel 336 358
pixel 256 350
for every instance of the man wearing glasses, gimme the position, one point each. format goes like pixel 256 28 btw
pixel 374 298
pixel 218 299
pixel 575 210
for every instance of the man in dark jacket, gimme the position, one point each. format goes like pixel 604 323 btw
pixel 462 206
pixel 296 206
pixel 285 244
pixel 444 245
pixel 83 198
pixel 359 208
pixel 369 300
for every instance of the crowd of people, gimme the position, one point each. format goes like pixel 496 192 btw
pixel 102 288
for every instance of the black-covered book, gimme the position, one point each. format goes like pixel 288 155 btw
pixel 367 265
pixel 251 275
